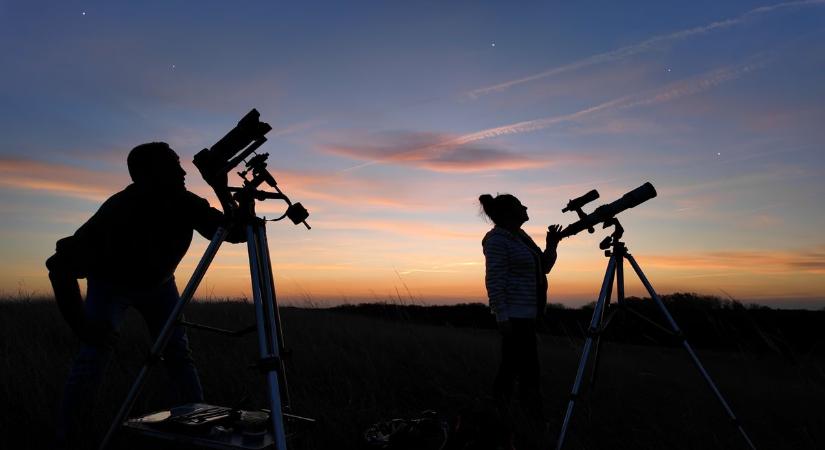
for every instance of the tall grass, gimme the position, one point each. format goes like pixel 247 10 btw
pixel 350 371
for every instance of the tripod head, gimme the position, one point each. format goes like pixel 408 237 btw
pixel 614 240
pixel 235 147
pixel 245 196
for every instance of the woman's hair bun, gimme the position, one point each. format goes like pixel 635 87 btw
pixel 488 206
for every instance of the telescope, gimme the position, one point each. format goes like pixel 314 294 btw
pixel 605 212
pixel 231 150
pixel 236 147
pixel 604 312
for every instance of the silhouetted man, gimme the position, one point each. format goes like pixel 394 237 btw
pixel 128 250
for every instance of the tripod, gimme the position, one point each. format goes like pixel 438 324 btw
pixel 616 250
pixel 270 337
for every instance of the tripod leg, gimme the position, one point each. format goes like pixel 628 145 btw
pixel 602 326
pixel 165 333
pixel 611 314
pixel 690 351
pixel 272 310
pixel 267 348
pixel 620 281
pixel 594 327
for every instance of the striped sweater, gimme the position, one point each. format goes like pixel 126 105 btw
pixel 515 275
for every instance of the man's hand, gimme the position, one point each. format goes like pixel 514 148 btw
pixel 553 236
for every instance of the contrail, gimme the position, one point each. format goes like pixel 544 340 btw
pixel 630 50
pixel 670 92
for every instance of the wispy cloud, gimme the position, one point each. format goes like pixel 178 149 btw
pixel 405 228
pixel 434 151
pixel 321 190
pixel 745 181
pixel 644 46
pixel 298 127
pixel 700 83
pixel 332 188
pixel 619 125
pixel 442 268
pixel 811 261
pixel 59 180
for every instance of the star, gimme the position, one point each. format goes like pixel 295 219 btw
pixel 718 153
pixel 173 67
pixel 493 44
pixel 83 13
pixel 668 69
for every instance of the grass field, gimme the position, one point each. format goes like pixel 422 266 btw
pixel 350 371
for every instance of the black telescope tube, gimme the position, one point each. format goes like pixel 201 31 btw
pixel 212 162
pixel 249 129
pixel 632 199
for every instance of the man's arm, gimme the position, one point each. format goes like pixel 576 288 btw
pixel 71 261
pixel 63 274
pixel 206 220
pixel 76 257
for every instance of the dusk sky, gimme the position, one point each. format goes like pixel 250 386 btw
pixel 391 118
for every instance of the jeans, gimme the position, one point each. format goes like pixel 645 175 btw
pixel 519 361
pixel 104 309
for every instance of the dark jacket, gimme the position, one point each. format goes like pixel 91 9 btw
pixel 139 235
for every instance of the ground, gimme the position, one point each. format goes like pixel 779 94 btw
pixel 350 371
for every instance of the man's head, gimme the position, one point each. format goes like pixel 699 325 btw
pixel 156 164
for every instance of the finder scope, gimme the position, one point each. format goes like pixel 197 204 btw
pixel 577 203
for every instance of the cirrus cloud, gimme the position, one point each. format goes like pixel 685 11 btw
pixel 57 179
pixel 809 260
pixel 433 151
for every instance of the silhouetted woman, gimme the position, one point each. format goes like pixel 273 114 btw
pixel 517 290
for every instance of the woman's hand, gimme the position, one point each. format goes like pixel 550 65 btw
pixel 553 236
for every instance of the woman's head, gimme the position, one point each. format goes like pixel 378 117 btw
pixel 504 210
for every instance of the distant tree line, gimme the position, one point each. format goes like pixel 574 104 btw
pixel 708 322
